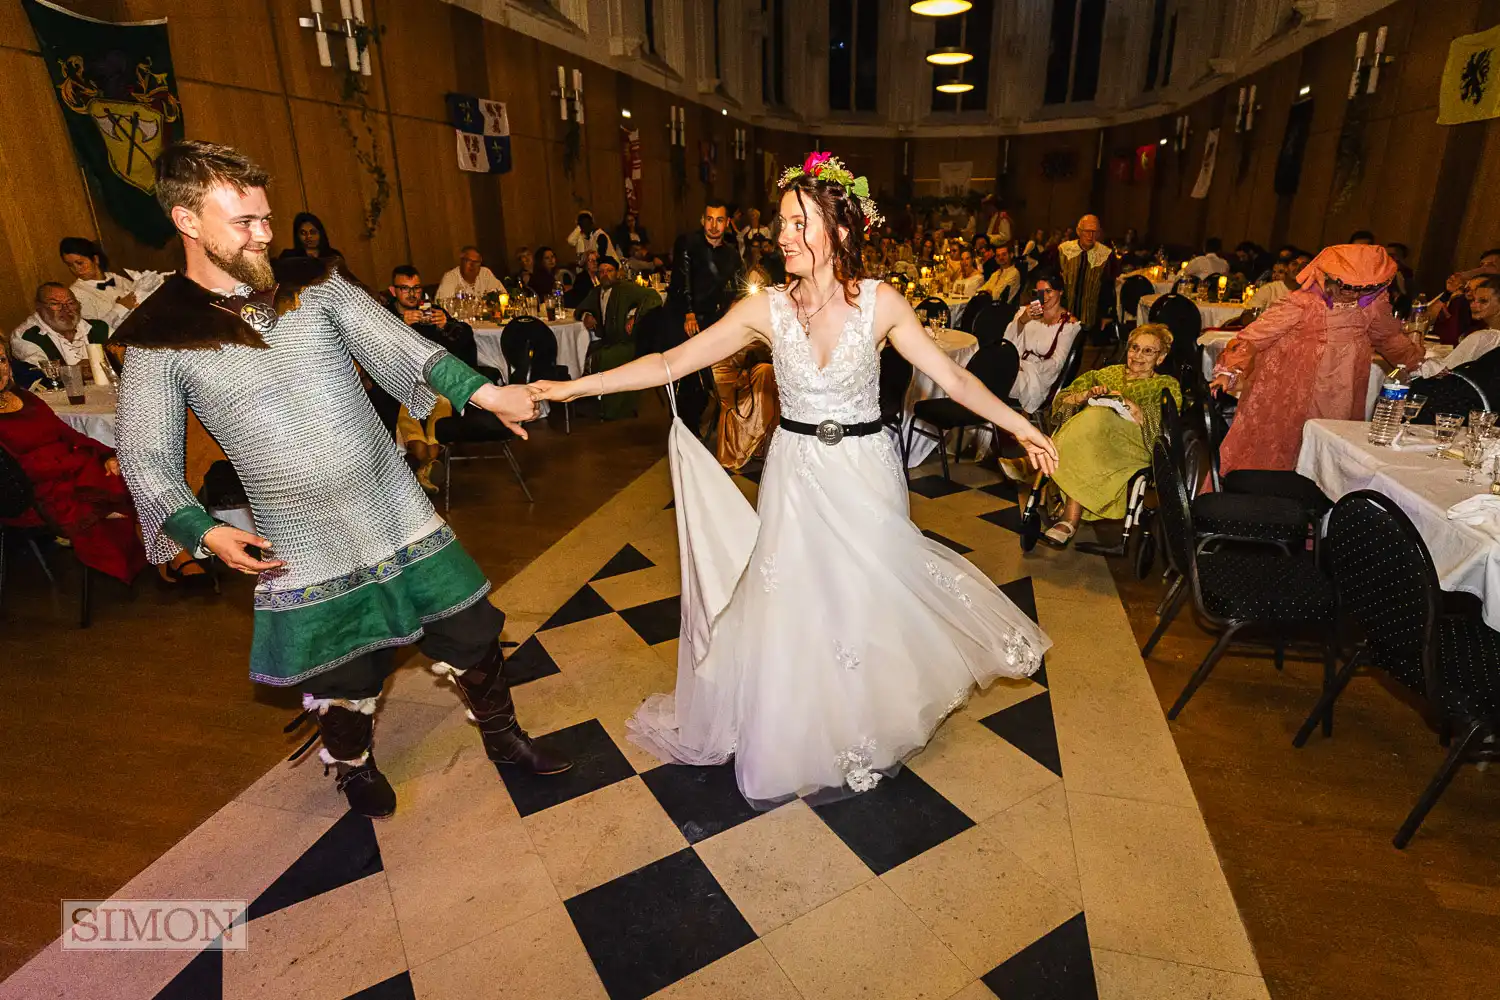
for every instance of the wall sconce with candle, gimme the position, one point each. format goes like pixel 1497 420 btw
pixel 350 27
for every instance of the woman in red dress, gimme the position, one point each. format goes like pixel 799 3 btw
pixel 77 483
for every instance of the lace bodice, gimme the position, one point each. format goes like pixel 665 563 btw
pixel 848 390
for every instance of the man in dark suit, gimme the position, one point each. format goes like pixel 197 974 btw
pixel 604 311
pixel 706 270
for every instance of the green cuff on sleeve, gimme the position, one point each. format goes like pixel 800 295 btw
pixel 455 381
pixel 187 527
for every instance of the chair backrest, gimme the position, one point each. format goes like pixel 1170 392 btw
pixel 1181 316
pixel 991 322
pixel 1384 578
pixel 529 347
pixel 657 331
pixel 980 301
pixel 895 377
pixel 1132 290
pixel 996 366
pixel 1215 430
pixel 1068 373
pixel 1174 512
pixel 17 494
pixel 932 308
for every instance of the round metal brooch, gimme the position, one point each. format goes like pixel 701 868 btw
pixel 830 432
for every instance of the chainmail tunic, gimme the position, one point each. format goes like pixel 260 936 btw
pixel 326 484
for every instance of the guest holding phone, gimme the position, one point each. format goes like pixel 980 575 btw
pixel 1043 333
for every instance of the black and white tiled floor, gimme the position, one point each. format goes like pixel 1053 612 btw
pixel 1044 845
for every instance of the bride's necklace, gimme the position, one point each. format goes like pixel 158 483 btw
pixel 806 319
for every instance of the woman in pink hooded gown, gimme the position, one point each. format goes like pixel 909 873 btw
pixel 1310 356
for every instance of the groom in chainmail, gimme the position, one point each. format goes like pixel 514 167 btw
pixel 352 559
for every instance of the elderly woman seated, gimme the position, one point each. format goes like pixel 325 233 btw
pixel 1112 415
pixel 77 488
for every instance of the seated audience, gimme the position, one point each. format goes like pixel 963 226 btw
pixel 1406 282
pixel 586 236
pixel 1043 333
pixel 578 285
pixel 1004 282
pixel 102 294
pixel 1208 262
pixel 1484 308
pixel 968 279
pixel 603 311
pixel 78 488
pixel 1098 447
pixel 1362 238
pixel 752 229
pixel 640 262
pixel 1283 283
pixel 470 277
pixel 629 231
pixel 544 275
pixel 410 304
pixel 56 331
pixel 309 238
pixel 1452 319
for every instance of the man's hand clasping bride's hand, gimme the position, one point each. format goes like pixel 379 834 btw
pixel 513 404
pixel 544 391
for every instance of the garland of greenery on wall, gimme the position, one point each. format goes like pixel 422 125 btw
pixel 572 146
pixel 355 93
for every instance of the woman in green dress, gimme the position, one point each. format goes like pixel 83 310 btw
pixel 1099 448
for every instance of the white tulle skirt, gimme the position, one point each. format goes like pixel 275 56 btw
pixel 847 638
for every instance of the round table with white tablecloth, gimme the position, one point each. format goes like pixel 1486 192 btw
pixel 95 417
pixel 1214 314
pixel 956 305
pixel 572 345
pixel 960 347
pixel 1159 286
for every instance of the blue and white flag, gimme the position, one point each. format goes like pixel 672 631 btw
pixel 482 130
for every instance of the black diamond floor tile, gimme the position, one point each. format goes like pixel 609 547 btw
pixel 347 853
pixel 1057 966
pixel 671 505
pixel 656 622
pixel 702 801
pixel 650 928
pixel 958 547
pixel 627 560
pixel 580 607
pixel 200 979
pixel 597 762
pixel 529 662
pixel 1003 490
pixel 1027 726
pixel 895 821
pixel 934 487
pixel 1023 596
pixel 1008 518
pixel 397 987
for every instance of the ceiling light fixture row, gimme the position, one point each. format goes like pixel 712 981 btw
pixel 948 55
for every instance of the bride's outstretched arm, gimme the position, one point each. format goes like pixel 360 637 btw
pixel 906 334
pixel 741 326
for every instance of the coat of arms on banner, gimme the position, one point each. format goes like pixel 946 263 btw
pixel 482 128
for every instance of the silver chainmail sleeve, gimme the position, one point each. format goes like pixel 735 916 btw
pixel 151 443
pixel 391 352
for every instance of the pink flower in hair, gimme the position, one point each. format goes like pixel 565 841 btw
pixel 814 163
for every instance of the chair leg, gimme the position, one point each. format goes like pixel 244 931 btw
pixel 515 467
pixel 85 597
pixel 1332 688
pixel 1280 654
pixel 36 550
pixel 1171 594
pixel 1330 667
pixel 1204 669
pixel 943 452
pixel 1179 596
pixel 567 418
pixel 1436 787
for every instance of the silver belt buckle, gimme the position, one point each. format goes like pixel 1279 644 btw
pixel 830 432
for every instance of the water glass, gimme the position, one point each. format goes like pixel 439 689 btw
pixel 1482 419
pixel 1445 429
pixel 1476 448
pixel 72 378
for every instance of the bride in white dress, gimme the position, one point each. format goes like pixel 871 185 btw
pixel 824 645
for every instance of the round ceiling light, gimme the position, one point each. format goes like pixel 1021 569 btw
pixel 949 55
pixel 940 8
pixel 955 88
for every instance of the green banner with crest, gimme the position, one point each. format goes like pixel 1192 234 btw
pixel 118 96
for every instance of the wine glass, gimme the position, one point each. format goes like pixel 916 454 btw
pixel 1475 450
pixel 1445 429
pixel 1482 419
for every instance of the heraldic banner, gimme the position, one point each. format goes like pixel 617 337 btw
pixel 1471 79
pixel 118 96
pixel 482 128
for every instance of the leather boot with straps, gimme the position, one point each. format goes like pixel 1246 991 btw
pixel 487 694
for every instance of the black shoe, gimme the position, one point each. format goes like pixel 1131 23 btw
pixel 487 695
pixel 368 791
pixel 514 748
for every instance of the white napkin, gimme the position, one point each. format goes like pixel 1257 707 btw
pixel 1481 509
pixel 1117 405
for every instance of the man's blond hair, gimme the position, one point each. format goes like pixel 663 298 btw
pixel 186 171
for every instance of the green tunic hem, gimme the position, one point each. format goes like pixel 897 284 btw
pixel 402 595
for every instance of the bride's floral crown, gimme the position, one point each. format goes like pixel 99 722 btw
pixel 827 167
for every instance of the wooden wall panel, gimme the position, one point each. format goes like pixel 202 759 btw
pixel 437 196
pixel 1481 230
pixel 417 53
pixel 229 44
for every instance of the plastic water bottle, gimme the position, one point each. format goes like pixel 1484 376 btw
pixel 1388 408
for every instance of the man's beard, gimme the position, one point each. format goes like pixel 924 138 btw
pixel 254 269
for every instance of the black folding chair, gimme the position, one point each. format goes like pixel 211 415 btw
pixel 1181 316
pixel 932 308
pixel 1132 290
pixel 474 427
pixel 1234 588
pixel 991 322
pixel 895 379
pixel 996 368
pixel 17 499
pixel 1386 583
pixel 972 309
pixel 530 350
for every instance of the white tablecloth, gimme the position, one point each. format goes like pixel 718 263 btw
pixel 956 308
pixel 1213 313
pixel 1337 455
pixel 960 347
pixel 572 345
pixel 96 417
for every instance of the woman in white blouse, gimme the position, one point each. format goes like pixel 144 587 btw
pixel 1043 333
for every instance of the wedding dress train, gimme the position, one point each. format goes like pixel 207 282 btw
pixel 824 640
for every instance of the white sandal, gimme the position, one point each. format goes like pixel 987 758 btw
pixel 1059 535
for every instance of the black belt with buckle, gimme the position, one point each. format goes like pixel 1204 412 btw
pixel 831 431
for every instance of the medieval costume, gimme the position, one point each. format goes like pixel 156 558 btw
pixel 1043 348
pixel 74 492
pixel 34 341
pixel 100 300
pixel 1089 278
pixel 1098 449
pixel 368 564
pixel 748 408
pixel 1310 357
pixel 610 307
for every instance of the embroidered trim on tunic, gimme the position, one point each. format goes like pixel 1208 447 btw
pixel 422 548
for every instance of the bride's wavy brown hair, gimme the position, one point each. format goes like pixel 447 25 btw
pixel 837 208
